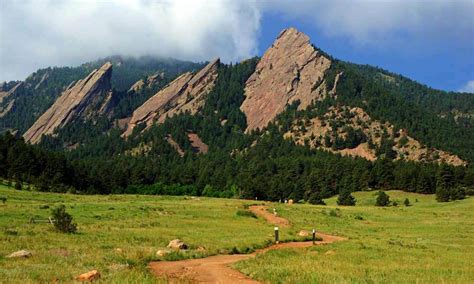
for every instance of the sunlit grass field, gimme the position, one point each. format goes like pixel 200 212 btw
pixel 119 234
pixel 428 242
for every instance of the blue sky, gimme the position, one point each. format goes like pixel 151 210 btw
pixel 442 63
pixel 430 41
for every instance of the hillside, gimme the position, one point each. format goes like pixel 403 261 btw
pixel 294 123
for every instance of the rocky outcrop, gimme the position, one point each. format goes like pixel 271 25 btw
pixel 185 93
pixel 87 98
pixel 323 133
pixel 292 69
pixel 148 83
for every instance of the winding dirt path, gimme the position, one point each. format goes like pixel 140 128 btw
pixel 261 210
pixel 216 269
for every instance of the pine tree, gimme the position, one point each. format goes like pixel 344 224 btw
pixel 406 202
pixel 345 198
pixel 382 199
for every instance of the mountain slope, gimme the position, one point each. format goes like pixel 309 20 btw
pixel 185 94
pixel 86 99
pixel 292 69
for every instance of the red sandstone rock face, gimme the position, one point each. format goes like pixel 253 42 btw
pixel 292 69
pixel 87 98
pixel 186 93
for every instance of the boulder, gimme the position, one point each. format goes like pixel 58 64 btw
pixel 177 244
pixel 89 276
pixel 162 253
pixel 303 233
pixel 19 254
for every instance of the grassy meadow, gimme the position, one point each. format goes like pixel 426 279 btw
pixel 119 234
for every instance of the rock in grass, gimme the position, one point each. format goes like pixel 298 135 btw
pixel 89 276
pixel 162 253
pixel 20 253
pixel 303 233
pixel 177 244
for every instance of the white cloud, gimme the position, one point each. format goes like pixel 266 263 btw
pixel 39 33
pixel 383 21
pixel 468 88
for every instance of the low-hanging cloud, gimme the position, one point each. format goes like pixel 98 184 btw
pixel 40 33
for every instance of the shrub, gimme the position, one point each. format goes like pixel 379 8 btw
pixel 245 213
pixel 406 202
pixel 44 207
pixel 382 199
pixel 3 199
pixel 315 198
pixel 335 213
pixel 457 193
pixel 345 198
pixel 18 185
pixel 63 220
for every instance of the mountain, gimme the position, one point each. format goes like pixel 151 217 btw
pixel 185 94
pixel 294 123
pixel 24 105
pixel 88 98
pixel 290 70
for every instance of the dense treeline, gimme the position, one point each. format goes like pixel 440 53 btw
pixel 261 164
pixel 274 169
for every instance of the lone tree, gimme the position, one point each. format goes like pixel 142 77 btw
pixel 63 220
pixel 345 198
pixel 444 183
pixel 382 199
pixel 406 202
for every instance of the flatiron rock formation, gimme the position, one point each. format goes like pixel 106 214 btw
pixel 186 93
pixel 87 98
pixel 292 69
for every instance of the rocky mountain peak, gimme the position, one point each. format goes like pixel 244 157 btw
pixel 87 98
pixel 290 70
pixel 186 93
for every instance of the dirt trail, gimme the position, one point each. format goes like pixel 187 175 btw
pixel 216 269
pixel 261 210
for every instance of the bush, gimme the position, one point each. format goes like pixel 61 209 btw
pixel 245 213
pixel 406 202
pixel 315 198
pixel 382 199
pixel 63 220
pixel 18 185
pixel 335 213
pixel 3 199
pixel 345 198
pixel 457 193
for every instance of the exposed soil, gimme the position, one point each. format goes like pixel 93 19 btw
pixel 216 269
pixel 261 210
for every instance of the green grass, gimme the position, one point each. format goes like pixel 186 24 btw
pixel 427 242
pixel 138 225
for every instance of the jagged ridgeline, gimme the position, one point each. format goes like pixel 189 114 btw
pixel 295 122
pixel 22 102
